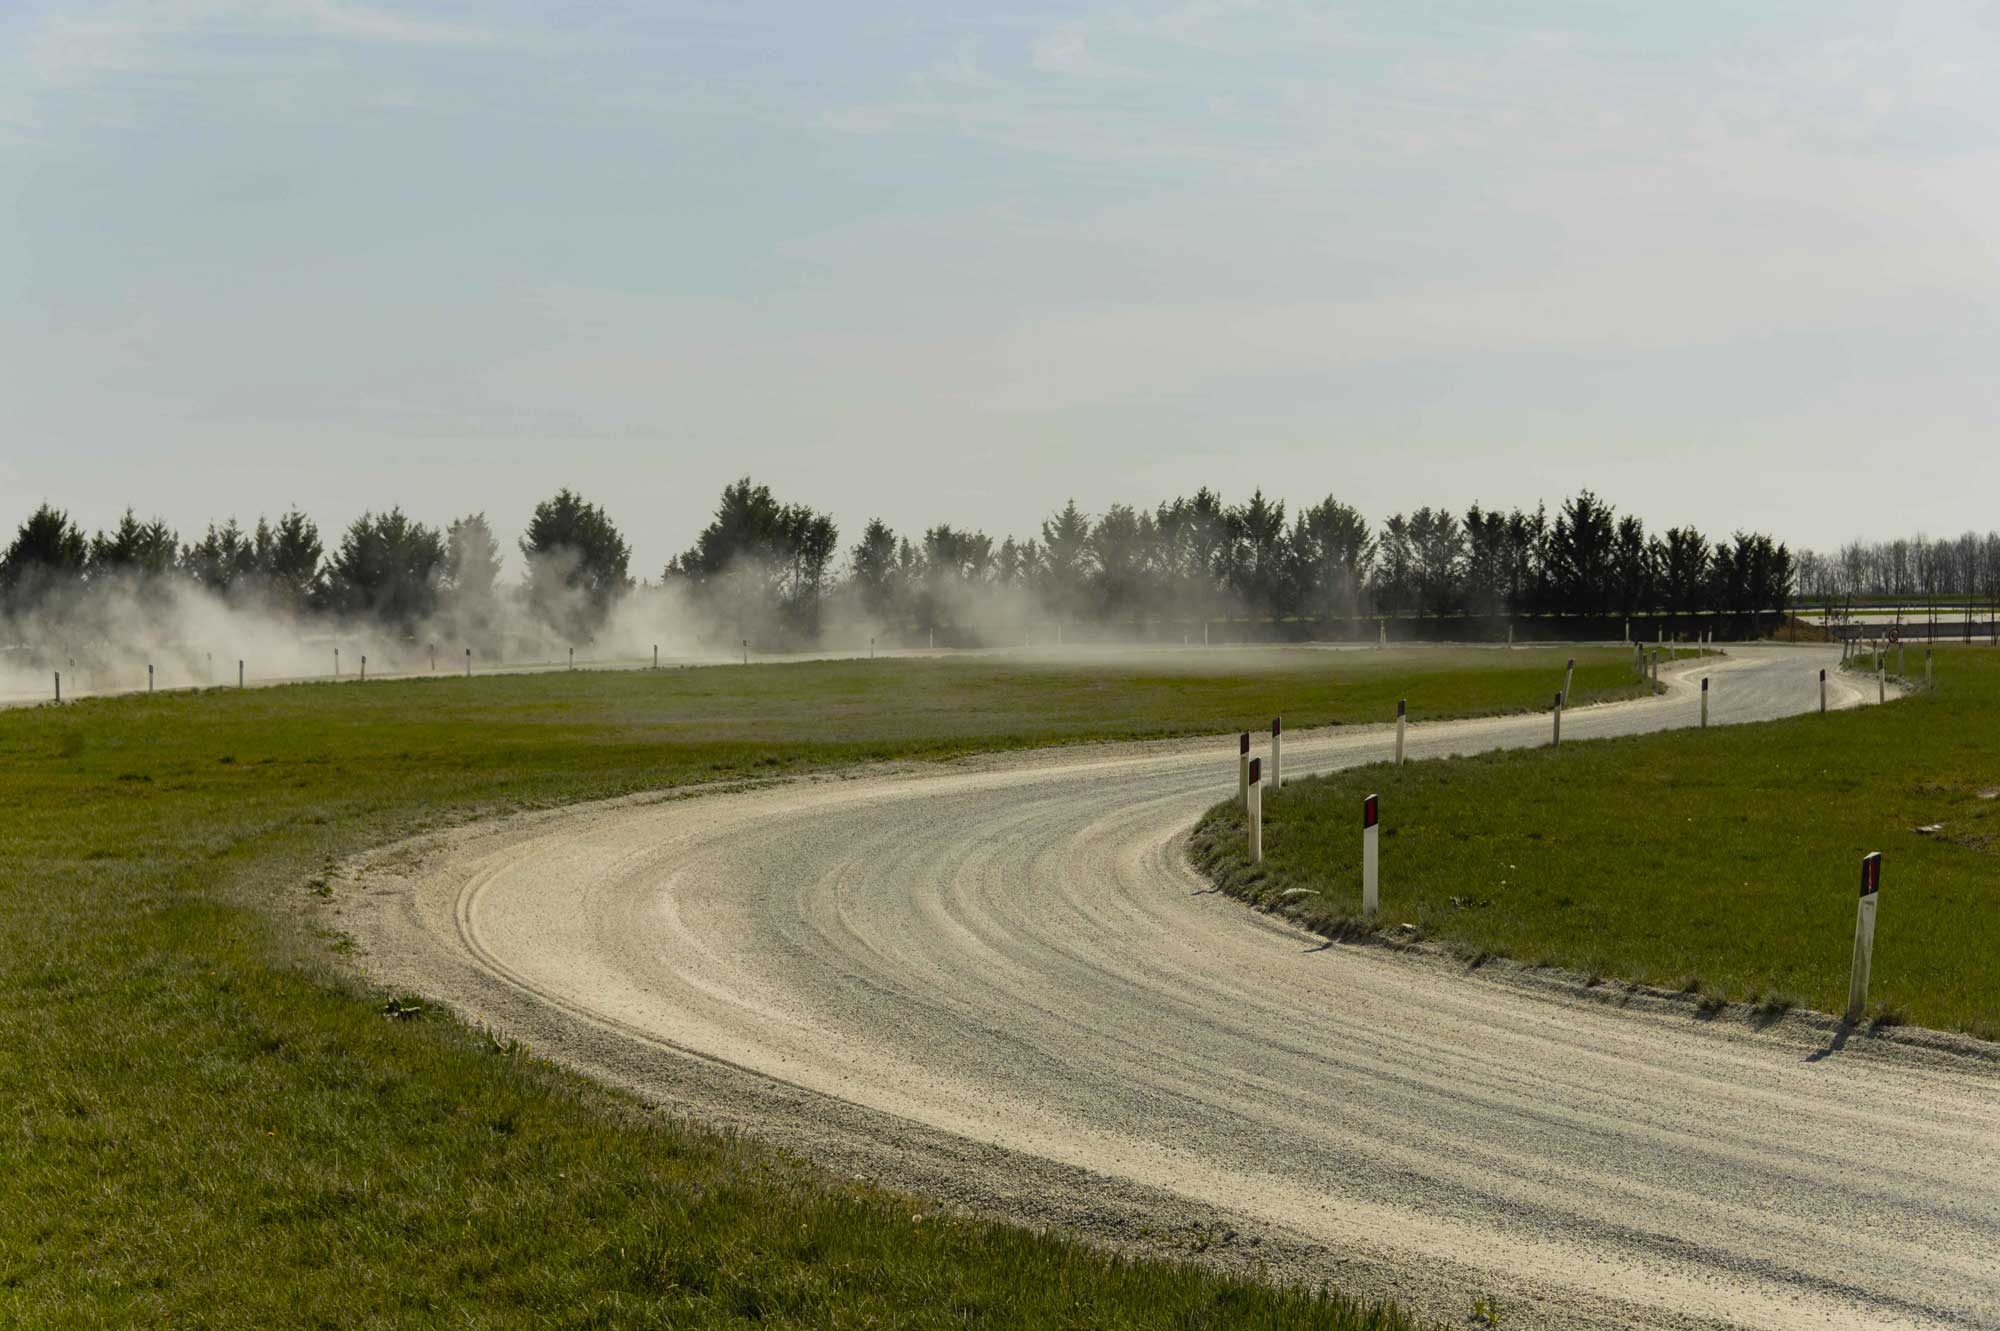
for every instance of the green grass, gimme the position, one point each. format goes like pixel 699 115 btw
pixel 206 1126
pixel 1725 863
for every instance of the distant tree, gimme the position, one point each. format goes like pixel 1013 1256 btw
pixel 1395 566
pixel 1329 552
pixel 1066 563
pixel 1684 571
pixel 957 565
pixel 48 553
pixel 1256 557
pixel 471 559
pixel 1634 569
pixel 577 563
pixel 873 576
pixel 1437 560
pixel 470 582
pixel 134 548
pixel 387 568
pixel 1121 559
pixel 223 557
pixel 1579 556
pixel 288 560
pixel 760 563
pixel 1195 544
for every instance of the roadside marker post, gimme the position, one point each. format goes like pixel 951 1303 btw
pixel 1927 669
pixel 468 663
pixel 572 658
pixel 1569 676
pixel 1371 892
pixel 336 663
pixel 434 658
pixel 656 653
pixel 1864 937
pixel 149 677
pixel 1510 635
pixel 1899 658
pixel 1704 702
pixel 871 652
pixel 239 672
pixel 1256 812
pixel 364 669
pixel 1382 635
pixel 1882 678
pixel 1277 754
pixel 746 651
pixel 58 686
pixel 1402 715
pixel 1243 769
pixel 1558 741
pixel 1822 692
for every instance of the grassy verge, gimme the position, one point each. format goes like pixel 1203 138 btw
pixel 204 1127
pixel 1723 862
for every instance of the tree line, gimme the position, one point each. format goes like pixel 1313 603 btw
pixel 1913 568
pixel 772 569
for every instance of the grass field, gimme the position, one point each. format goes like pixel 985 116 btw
pixel 1724 862
pixel 207 1127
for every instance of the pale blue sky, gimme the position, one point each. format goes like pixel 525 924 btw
pixel 1726 264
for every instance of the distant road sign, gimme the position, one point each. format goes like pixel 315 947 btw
pixel 1895 634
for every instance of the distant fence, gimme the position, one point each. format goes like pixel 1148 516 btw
pixel 1957 630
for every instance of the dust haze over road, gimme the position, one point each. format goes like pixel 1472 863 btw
pixel 1000 983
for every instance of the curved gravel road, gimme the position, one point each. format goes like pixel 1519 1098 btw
pixel 1000 983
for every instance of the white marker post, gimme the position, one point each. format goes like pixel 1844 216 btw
pixel 1557 743
pixel 1371 891
pixel 364 668
pixel 746 651
pixel 468 663
pixel 1402 715
pixel 933 639
pixel 1882 678
pixel 1822 693
pixel 434 658
pixel 1704 702
pixel 871 650
pixel 1569 676
pixel 239 672
pixel 1864 937
pixel 58 686
pixel 336 663
pixel 656 652
pixel 1204 633
pixel 1927 669
pixel 1382 640
pixel 572 658
pixel 149 678
pixel 1510 635
pixel 1277 753
pixel 1243 769
pixel 1256 812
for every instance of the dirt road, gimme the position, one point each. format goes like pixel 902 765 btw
pixel 1000 983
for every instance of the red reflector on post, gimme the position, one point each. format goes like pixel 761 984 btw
pixel 1368 811
pixel 1256 770
pixel 1871 874
pixel 1275 726
pixel 1402 706
pixel 1243 744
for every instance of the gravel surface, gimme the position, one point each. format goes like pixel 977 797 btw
pixel 1000 983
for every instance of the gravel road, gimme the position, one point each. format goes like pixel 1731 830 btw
pixel 1000 984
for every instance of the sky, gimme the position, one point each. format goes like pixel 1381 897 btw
pixel 1722 264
